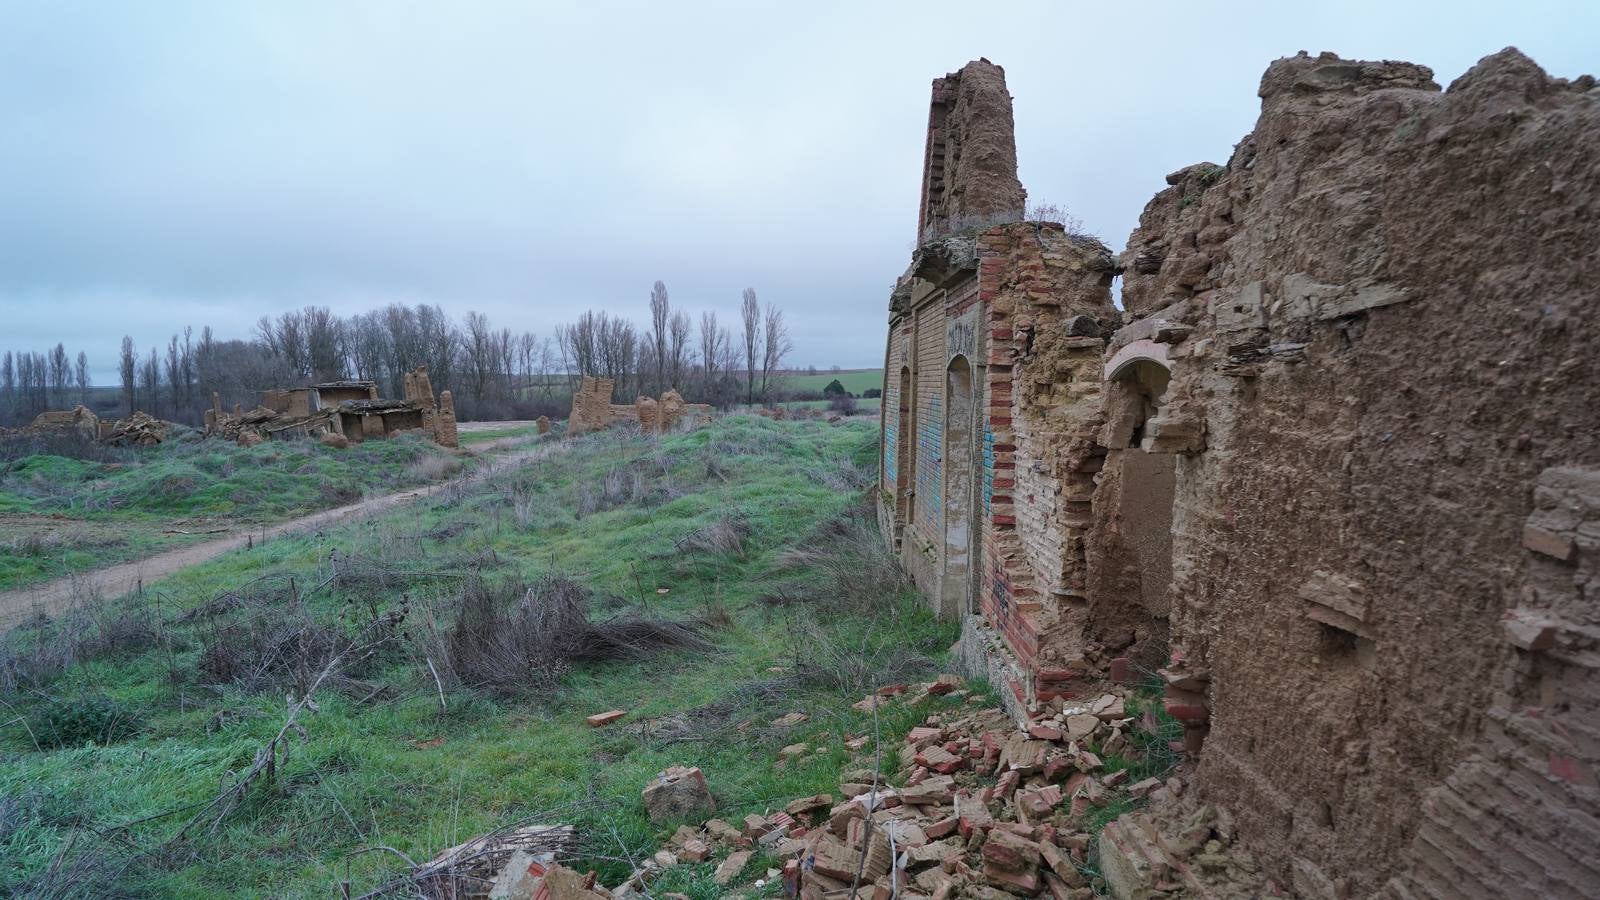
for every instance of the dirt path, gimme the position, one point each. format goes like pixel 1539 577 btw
pixel 51 597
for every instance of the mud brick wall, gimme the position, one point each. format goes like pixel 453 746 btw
pixel 1374 331
pixel 1047 297
pixel 970 163
pixel 1390 291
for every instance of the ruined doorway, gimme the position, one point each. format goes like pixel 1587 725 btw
pixel 1134 500
pixel 903 459
pixel 960 467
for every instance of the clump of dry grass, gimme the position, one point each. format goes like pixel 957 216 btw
pixel 725 535
pixel 515 639
pixel 433 468
pixel 34 654
pixel 842 660
pixel 857 570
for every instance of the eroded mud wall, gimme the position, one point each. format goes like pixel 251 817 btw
pixel 1391 296
pixel 970 166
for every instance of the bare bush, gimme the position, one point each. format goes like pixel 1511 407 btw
pixel 275 646
pixel 516 640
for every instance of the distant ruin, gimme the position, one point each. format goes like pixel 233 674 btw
pixel 592 410
pixel 351 410
pixel 1332 470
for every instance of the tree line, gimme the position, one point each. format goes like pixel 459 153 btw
pixel 492 372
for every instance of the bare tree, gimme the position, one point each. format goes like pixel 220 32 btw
pixel 81 373
pixel 678 351
pixel 150 380
pixel 8 387
pixel 174 370
pixel 775 346
pixel 324 344
pixel 60 374
pixel 128 365
pixel 750 314
pixel 660 313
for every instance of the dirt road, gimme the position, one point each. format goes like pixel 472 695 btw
pixel 51 597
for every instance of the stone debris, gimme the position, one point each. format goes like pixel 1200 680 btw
pixel 678 793
pixel 970 805
pixel 138 430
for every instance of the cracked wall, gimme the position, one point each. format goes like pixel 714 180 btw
pixel 1380 440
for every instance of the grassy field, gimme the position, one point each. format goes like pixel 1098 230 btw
pixel 749 535
pixel 862 406
pixel 854 380
pixel 66 507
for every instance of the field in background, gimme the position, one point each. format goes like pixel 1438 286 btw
pixel 751 534
pixel 67 505
pixel 856 381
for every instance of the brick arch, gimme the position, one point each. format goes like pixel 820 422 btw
pixel 1143 349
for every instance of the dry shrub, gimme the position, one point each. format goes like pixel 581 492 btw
pixel 725 535
pixel 433 468
pixel 858 570
pixel 36 653
pixel 854 660
pixel 275 646
pixel 513 640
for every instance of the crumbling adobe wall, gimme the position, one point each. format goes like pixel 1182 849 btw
pixel 592 410
pixel 970 166
pixel 1390 370
pixel 443 426
pixel 591 406
pixel 1048 307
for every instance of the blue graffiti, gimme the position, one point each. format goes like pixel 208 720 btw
pixel 930 471
pixel 988 468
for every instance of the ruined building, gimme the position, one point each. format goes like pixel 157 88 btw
pixel 1332 468
pixel 350 410
pixel 592 410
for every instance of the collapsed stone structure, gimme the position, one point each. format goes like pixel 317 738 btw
pixel 350 410
pixel 592 410
pixel 1332 468
pixel 137 430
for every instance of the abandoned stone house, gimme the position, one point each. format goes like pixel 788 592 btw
pixel 1332 467
pixel 348 409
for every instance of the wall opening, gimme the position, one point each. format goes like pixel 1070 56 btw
pixel 960 468
pixel 1136 494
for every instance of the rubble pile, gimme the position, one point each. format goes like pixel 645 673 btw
pixel 970 804
pixel 339 413
pixel 138 430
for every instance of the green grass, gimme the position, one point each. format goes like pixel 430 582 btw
pixel 63 515
pixel 855 380
pixel 862 406
pixel 469 438
pixel 400 772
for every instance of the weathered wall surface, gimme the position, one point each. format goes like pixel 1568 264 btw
pixel 1394 314
pixel 1381 444
pixel 970 166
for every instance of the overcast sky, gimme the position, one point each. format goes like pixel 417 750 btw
pixel 164 164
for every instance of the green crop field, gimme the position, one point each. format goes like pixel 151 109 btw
pixel 855 380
